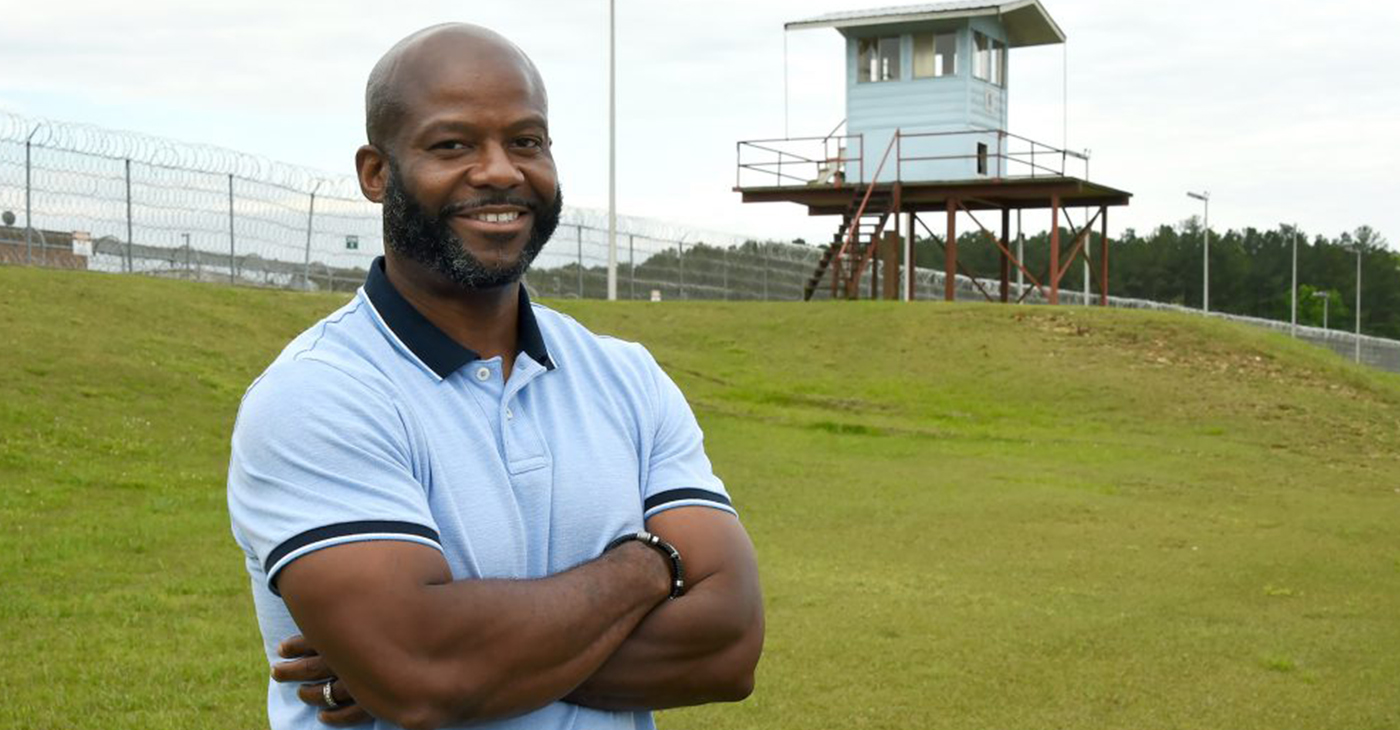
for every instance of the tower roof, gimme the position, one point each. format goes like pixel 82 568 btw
pixel 1026 22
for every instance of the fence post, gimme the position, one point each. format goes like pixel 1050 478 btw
pixel 724 270
pixel 763 261
pixel 130 265
pixel 680 269
pixel 579 227
pixel 310 226
pixel 28 206
pixel 631 266
pixel 232 255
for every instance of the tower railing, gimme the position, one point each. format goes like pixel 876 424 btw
pixel 814 161
pixel 919 156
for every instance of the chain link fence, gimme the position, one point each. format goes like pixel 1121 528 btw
pixel 81 197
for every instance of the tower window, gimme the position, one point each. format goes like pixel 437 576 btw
pixel 878 59
pixel 981 158
pixel 988 59
pixel 935 54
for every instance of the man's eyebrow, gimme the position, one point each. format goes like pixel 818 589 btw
pixel 458 125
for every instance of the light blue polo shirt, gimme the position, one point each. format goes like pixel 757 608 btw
pixel 375 425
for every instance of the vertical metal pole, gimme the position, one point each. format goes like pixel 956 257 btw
pixel 612 154
pixel 1055 249
pixel 763 261
pixel 1358 302
pixel 1293 293
pixel 28 207
pixel 188 268
pixel 1005 260
pixel 1086 271
pixel 1205 264
pixel 631 266
pixel 909 257
pixel 130 265
pixel 310 227
pixel 580 261
pixel 724 270
pixel 950 254
pixel 1020 256
pixel 1103 257
pixel 232 253
pixel 680 267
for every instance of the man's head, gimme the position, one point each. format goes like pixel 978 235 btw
pixel 459 155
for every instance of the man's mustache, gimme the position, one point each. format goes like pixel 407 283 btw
pixel 467 206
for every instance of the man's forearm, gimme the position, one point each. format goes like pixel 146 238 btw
pixel 446 652
pixel 702 647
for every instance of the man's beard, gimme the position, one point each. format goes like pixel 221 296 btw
pixel 427 239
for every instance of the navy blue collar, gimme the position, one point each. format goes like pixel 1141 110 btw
pixel 438 351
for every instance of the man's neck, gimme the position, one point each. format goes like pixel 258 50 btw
pixel 483 320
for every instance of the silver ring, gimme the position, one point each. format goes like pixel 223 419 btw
pixel 331 704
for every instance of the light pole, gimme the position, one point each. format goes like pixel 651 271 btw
pixel 1357 354
pixel 1204 197
pixel 1293 295
pixel 1326 297
pixel 612 151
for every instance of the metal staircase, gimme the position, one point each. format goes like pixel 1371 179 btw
pixel 857 238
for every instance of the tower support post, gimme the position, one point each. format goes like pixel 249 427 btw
pixel 950 254
pixel 1055 249
pixel 1005 258
pixel 1103 256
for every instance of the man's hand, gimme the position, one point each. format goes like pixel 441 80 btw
pixel 308 667
pixel 701 647
pixel 417 649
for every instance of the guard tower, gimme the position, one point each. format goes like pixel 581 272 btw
pixel 926 130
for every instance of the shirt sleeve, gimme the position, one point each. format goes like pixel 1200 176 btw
pixel 319 459
pixel 679 473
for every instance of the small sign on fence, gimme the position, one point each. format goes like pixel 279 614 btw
pixel 656 295
pixel 352 243
pixel 82 243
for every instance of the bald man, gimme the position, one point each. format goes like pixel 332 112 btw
pixel 459 507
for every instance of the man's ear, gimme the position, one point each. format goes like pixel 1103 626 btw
pixel 372 168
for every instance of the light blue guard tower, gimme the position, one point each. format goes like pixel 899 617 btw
pixel 926 129
pixel 939 71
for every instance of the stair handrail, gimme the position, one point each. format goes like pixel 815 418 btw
pixel 851 232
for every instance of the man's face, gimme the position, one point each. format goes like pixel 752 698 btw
pixel 430 240
pixel 472 191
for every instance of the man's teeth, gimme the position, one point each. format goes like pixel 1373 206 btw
pixel 496 217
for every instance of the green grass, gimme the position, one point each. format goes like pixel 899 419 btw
pixel 967 516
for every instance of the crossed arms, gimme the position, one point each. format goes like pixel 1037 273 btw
pixel 420 650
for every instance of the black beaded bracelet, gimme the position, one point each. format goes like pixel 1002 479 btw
pixel 665 548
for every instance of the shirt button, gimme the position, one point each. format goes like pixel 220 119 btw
pixel 509 414
pixel 483 374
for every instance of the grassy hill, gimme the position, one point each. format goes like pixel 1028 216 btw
pixel 967 516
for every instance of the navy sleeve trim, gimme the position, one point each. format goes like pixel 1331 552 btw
pixel 676 495
pixel 346 529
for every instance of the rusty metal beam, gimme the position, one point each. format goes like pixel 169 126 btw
pixel 1081 239
pixel 910 280
pixel 950 253
pixel 961 269
pixel 1054 249
pixel 1009 255
pixel 1103 257
pixel 1003 258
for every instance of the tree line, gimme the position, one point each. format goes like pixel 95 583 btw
pixel 1250 270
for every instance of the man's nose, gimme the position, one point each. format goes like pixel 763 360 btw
pixel 495 169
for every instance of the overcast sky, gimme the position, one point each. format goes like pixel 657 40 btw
pixel 1283 111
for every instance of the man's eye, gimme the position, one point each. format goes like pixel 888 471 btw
pixel 529 143
pixel 450 144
